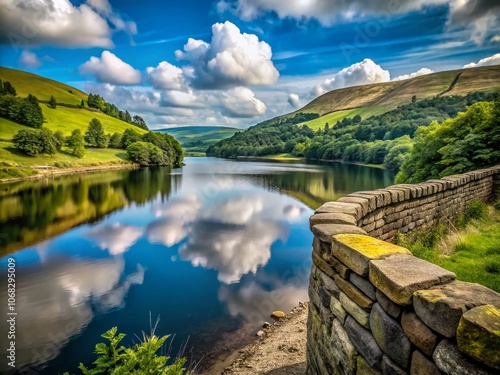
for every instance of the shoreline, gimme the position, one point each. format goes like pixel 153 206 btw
pixel 56 172
pixel 279 349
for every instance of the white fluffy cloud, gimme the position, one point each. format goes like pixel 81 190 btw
pixel 418 73
pixel 495 39
pixel 166 76
pixel 48 22
pixel 294 101
pixel 231 58
pixel 361 73
pixel 477 16
pixel 29 59
pixel 492 60
pixel 111 69
pixel 241 102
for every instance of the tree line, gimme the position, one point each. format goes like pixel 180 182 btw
pixel 145 149
pixel 384 139
pixel 97 102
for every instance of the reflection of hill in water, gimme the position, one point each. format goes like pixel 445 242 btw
pixel 32 211
pixel 331 183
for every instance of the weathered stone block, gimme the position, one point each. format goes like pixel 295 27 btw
pixel 337 309
pixel 326 315
pixel 420 365
pixel 363 368
pixel 478 335
pixel 313 296
pixel 324 296
pixel 341 349
pixel 328 283
pixel 390 368
pixel 399 276
pixel 363 202
pixel 390 337
pixel 332 218
pixel 356 251
pixel 364 342
pixel 418 333
pixel 322 265
pixel 449 360
pixel 353 293
pixel 390 307
pixel 364 285
pixel 355 311
pixel 325 232
pixel 341 207
pixel 441 307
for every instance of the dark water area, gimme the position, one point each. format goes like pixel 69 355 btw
pixel 208 248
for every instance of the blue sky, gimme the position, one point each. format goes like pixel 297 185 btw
pixel 238 62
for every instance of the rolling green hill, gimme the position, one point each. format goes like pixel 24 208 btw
pixel 371 124
pixel 28 83
pixel 66 117
pixel 378 98
pixel 196 139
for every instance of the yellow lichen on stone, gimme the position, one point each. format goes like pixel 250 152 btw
pixel 369 246
pixel 432 295
pixel 478 335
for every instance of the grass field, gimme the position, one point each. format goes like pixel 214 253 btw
pixel 331 118
pixel 472 253
pixel 284 156
pixel 27 83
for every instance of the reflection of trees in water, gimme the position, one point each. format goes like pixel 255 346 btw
pixel 36 210
pixel 331 182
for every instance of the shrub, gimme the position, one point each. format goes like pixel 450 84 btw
pixel 129 136
pixel 115 141
pixel 145 153
pixel 33 142
pixel 52 102
pixel 140 359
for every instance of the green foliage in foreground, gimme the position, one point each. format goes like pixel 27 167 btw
pixel 145 153
pixel 468 142
pixel 470 248
pixel 140 359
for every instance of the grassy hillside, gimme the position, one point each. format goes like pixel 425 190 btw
pixel 196 139
pixel 62 118
pixel 375 99
pixel 28 83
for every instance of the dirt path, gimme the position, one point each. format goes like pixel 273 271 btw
pixel 281 350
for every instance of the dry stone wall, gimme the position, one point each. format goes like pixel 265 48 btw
pixel 375 308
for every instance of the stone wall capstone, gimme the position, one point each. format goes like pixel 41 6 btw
pixel 375 308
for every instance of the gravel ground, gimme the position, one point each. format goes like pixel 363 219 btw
pixel 281 350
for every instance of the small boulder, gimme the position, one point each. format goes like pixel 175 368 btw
pixel 278 315
pixel 266 325
pixel 260 333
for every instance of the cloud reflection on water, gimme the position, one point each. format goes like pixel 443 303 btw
pixel 57 301
pixel 232 235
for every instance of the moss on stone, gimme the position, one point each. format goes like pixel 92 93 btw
pixel 478 335
pixel 369 246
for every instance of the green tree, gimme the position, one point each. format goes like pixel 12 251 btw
pixel 59 139
pixel 30 112
pixel 82 104
pixel 115 140
pixel 52 102
pixel 8 89
pixel 94 136
pixel 139 122
pixel 129 136
pixel 76 143
pixel 1 88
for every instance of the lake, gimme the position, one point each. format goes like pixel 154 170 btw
pixel 210 249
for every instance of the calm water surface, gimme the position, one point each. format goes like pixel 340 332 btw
pixel 209 248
